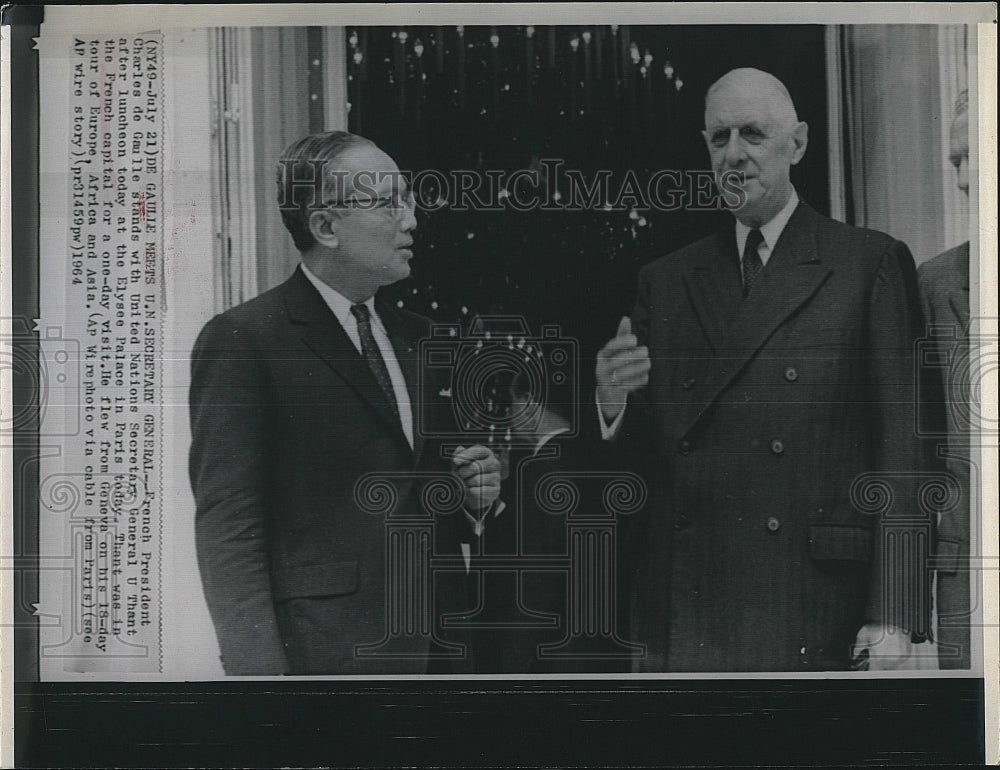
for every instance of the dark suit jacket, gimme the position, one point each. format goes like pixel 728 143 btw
pixel 944 292
pixel 759 418
pixel 521 610
pixel 286 418
pixel 513 610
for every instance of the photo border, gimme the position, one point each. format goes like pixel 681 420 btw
pixel 761 694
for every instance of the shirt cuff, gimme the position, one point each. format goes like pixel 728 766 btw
pixel 479 523
pixel 609 432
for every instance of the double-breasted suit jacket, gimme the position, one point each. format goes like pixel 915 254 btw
pixel 760 417
pixel 944 292
pixel 286 418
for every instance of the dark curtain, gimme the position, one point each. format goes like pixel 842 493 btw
pixel 625 99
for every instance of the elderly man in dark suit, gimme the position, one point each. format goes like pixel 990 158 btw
pixel 768 375
pixel 296 396
pixel 944 292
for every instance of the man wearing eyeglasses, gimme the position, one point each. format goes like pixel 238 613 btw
pixel 296 397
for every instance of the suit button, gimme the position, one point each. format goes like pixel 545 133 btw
pixel 777 447
pixel 791 374
pixel 773 524
pixel 688 383
pixel 684 448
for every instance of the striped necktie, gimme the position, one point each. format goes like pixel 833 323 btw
pixel 373 355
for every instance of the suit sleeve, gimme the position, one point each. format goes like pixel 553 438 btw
pixel 228 467
pixel 635 437
pixel 932 394
pixel 899 587
pixel 633 449
pixel 952 596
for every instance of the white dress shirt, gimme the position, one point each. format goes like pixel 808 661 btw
pixel 341 308
pixel 770 233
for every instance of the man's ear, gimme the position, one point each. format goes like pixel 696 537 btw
pixel 800 135
pixel 323 226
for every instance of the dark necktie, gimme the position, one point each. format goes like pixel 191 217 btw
pixel 752 264
pixel 373 355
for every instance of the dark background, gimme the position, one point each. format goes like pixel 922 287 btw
pixel 553 724
pixel 497 98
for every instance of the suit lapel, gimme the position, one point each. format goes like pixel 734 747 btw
pixel 958 296
pixel 323 334
pixel 713 285
pixel 404 342
pixel 959 301
pixel 792 275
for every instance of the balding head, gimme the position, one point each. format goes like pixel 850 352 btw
pixel 762 86
pixel 754 138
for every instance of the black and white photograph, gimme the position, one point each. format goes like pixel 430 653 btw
pixel 508 357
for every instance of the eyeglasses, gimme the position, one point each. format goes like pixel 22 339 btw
pixel 395 205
